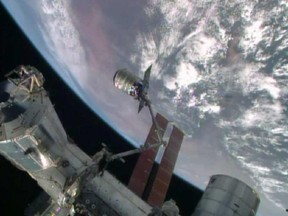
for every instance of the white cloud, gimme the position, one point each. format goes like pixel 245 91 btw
pixel 186 74
pixel 62 39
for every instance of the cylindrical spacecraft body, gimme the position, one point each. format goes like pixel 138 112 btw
pixel 128 82
pixel 227 196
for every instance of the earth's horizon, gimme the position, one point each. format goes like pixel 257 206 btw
pixel 219 72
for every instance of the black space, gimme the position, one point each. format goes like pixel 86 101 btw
pixel 17 189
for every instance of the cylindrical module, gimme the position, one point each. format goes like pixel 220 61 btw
pixel 128 82
pixel 227 196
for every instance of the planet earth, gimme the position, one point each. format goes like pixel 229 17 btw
pixel 219 73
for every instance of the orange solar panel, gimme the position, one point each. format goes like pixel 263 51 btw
pixel 146 159
pixel 165 170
